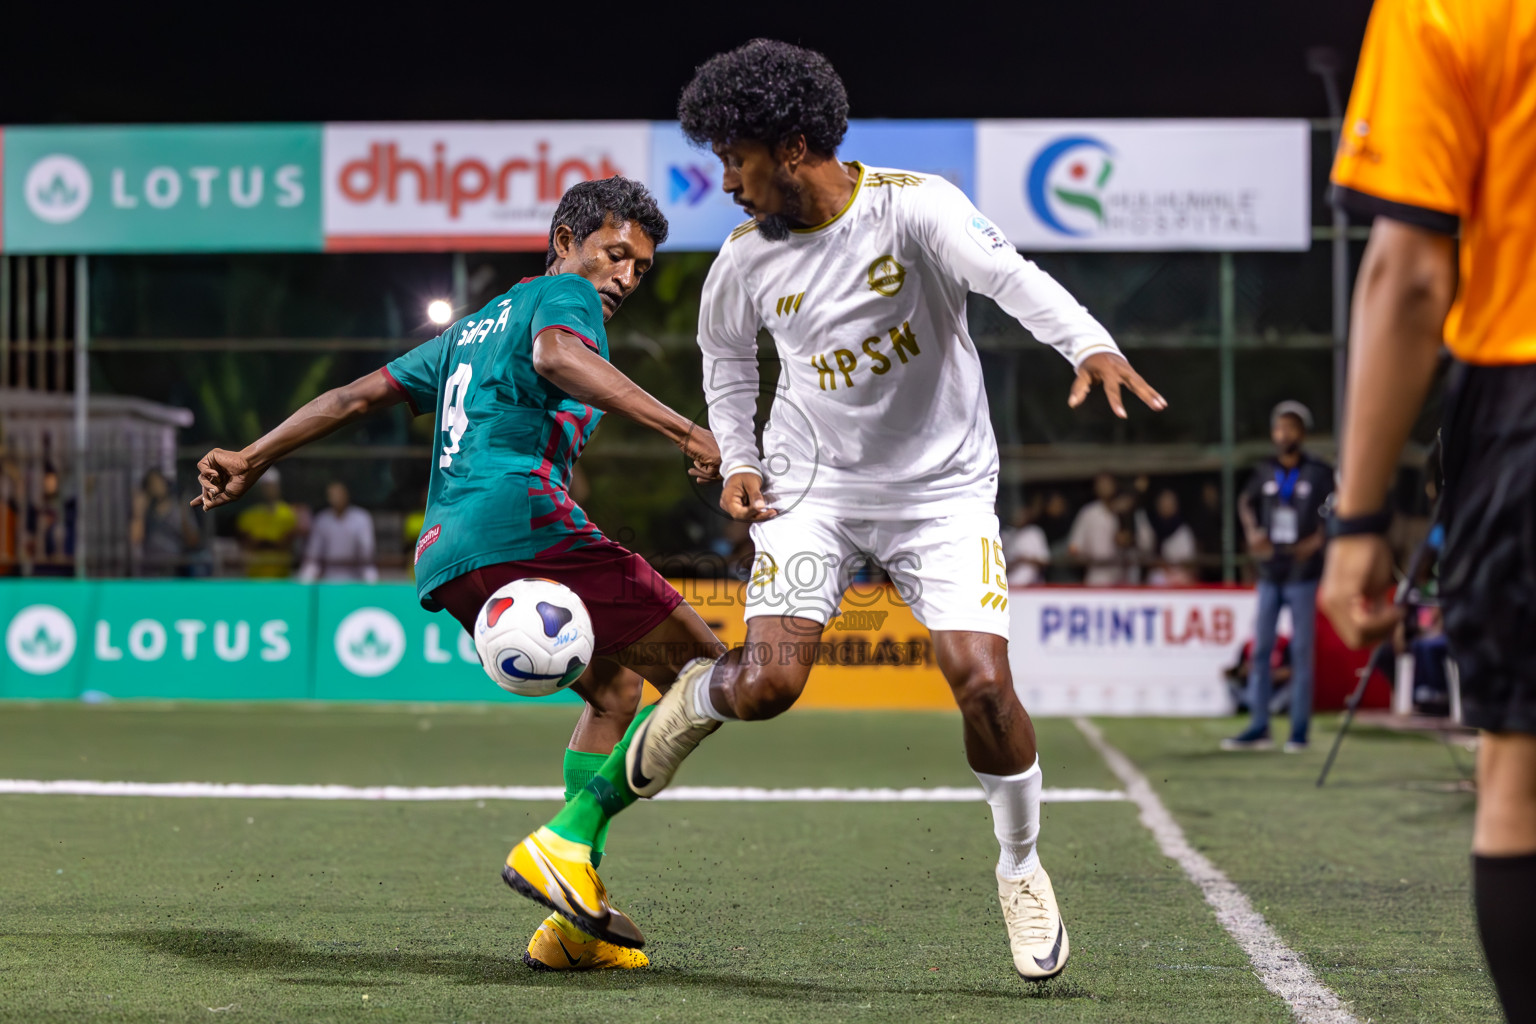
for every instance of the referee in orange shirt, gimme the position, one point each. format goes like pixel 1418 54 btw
pixel 1440 138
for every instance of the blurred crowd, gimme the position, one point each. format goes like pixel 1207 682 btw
pixel 273 538
pixel 1107 531
pixel 1128 533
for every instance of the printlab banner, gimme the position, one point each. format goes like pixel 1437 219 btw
pixel 1146 185
pixel 1126 651
pixel 206 188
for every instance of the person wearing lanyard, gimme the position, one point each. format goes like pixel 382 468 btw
pixel 1281 512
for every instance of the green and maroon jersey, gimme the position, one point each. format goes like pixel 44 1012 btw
pixel 507 437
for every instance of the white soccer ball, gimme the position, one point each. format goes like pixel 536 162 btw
pixel 534 637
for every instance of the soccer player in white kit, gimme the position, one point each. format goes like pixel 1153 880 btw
pixel 879 446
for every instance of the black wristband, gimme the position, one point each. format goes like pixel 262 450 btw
pixel 1348 526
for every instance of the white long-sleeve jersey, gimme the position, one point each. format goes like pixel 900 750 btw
pixel 881 412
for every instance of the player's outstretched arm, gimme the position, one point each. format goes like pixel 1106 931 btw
pixel 973 249
pixel 226 475
pixel 565 361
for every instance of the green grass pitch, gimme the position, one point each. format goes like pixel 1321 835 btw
pixel 148 909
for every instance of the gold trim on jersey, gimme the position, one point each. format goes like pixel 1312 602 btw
pixel 857 184
pixel 742 229
pixel 899 179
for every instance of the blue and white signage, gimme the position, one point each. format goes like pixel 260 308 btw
pixel 1146 185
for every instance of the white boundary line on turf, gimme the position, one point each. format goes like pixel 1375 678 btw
pixel 731 794
pixel 1278 966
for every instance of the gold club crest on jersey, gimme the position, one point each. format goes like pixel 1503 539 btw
pixel 886 276
pixel 764 569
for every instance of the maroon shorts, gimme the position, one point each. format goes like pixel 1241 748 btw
pixel 624 595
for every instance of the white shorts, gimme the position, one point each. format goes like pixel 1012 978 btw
pixel 950 571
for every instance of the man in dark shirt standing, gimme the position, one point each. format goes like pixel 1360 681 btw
pixel 1281 512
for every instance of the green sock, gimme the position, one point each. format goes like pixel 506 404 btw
pixel 584 819
pixel 580 766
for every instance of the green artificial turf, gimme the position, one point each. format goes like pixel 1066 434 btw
pixel 194 909
pixel 1368 878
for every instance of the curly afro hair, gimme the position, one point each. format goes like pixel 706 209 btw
pixel 766 91
pixel 587 205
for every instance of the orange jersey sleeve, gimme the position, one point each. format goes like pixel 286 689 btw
pixel 1412 140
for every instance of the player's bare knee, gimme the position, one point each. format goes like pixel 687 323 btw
pixel 984 693
pixel 618 698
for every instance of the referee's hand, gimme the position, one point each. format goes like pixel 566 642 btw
pixel 1356 592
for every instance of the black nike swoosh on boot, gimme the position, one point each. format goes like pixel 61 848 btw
pixel 1049 963
pixel 573 959
pixel 637 779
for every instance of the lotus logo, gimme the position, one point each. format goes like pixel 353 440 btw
pixel 370 642
pixel 1065 184
pixel 40 639
pixel 57 189
pixel 370 646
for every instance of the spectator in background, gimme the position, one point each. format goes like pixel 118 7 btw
pixel 340 548
pixel 10 515
pixel 1281 511
pixel 1055 517
pixel 51 529
pixel 1170 543
pixel 1205 521
pixel 1056 520
pixel 267 531
pixel 1103 536
pixel 161 533
pixel 1025 547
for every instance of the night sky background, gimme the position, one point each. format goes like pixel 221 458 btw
pixel 252 61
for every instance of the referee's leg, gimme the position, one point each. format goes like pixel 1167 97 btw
pixel 1504 865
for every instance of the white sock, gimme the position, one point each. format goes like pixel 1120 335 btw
pixel 704 707
pixel 1015 801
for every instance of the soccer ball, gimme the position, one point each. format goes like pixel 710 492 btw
pixel 534 637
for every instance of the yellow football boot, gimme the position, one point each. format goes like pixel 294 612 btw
pixel 559 945
pixel 558 873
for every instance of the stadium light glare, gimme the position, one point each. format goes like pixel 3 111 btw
pixel 439 311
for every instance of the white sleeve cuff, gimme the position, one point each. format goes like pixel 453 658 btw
pixel 741 468
pixel 1093 349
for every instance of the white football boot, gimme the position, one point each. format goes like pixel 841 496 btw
pixel 1036 933
pixel 671 732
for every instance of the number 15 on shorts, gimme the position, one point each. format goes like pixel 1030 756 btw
pixel 994 573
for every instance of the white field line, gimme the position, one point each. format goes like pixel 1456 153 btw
pixel 728 794
pixel 1278 966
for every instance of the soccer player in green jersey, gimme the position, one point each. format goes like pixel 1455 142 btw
pixel 518 388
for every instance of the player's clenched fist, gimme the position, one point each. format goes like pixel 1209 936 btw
pixel 743 498
pixel 1354 591
pixel 699 445
pixel 224 476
